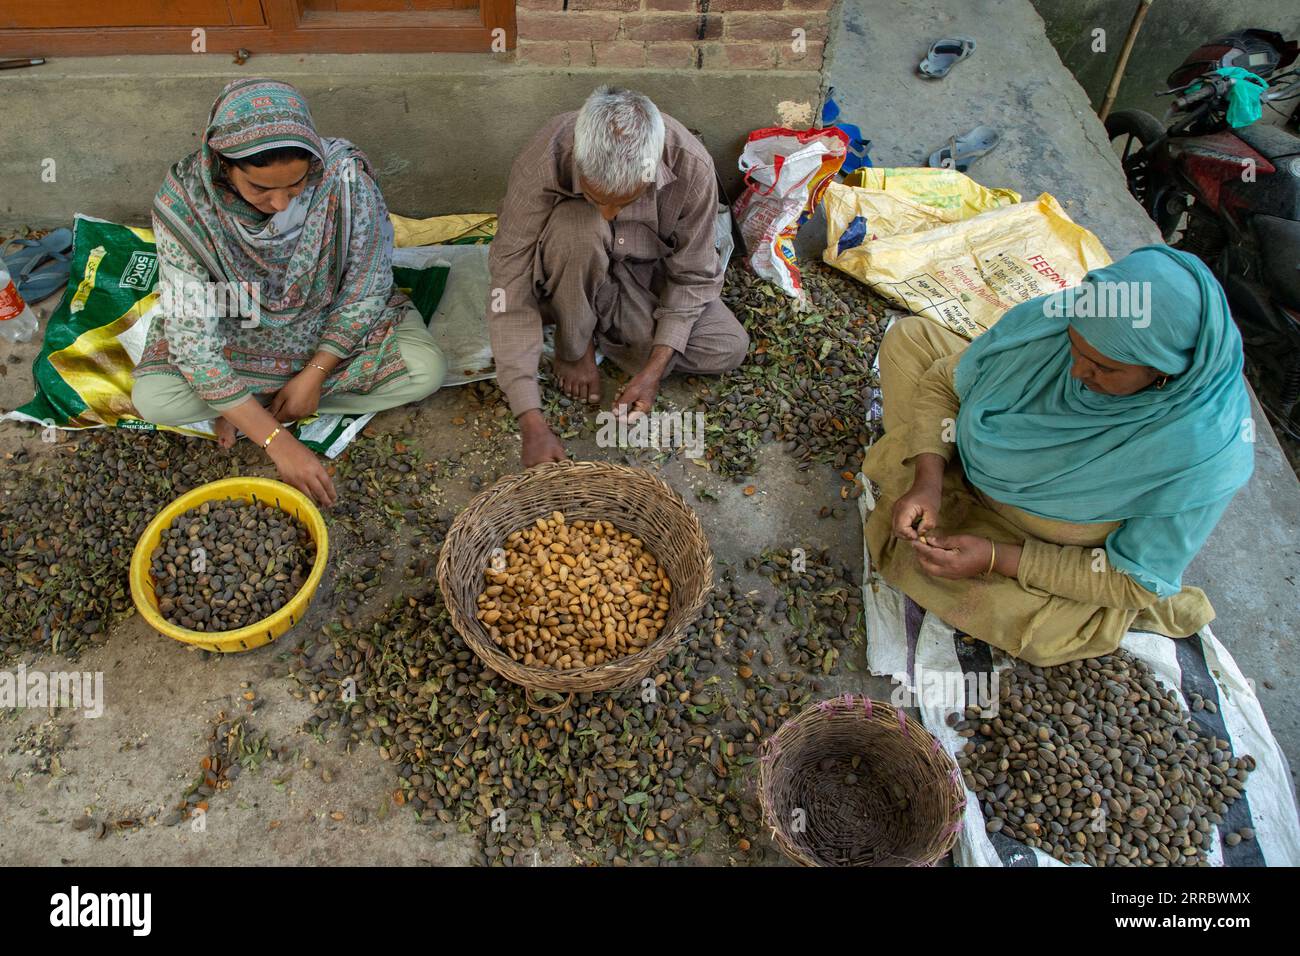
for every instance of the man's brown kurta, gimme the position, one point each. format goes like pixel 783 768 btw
pixel 650 277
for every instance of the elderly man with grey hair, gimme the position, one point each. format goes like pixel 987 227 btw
pixel 607 230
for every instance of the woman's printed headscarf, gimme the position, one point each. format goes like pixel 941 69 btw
pixel 300 272
pixel 1165 461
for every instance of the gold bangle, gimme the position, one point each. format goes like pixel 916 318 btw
pixel 321 367
pixel 993 556
pixel 267 442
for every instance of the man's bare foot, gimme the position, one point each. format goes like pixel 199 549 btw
pixel 225 433
pixel 580 379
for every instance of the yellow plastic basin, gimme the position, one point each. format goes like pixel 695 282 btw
pixel 264 631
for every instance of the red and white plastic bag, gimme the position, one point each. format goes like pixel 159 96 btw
pixel 786 172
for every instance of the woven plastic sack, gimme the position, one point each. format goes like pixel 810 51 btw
pixel 910 198
pixel 966 274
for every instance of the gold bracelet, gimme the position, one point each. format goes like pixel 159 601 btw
pixel 993 557
pixel 267 443
pixel 321 367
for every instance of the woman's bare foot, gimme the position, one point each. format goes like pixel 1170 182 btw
pixel 580 379
pixel 225 433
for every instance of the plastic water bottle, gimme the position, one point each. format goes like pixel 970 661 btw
pixel 18 323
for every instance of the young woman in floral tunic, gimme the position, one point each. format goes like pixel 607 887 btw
pixel 267 203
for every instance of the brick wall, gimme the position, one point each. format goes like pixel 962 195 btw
pixel 674 34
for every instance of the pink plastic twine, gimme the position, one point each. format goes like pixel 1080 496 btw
pixel 902 722
pixel 867 700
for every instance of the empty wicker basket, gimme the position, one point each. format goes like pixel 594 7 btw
pixel 633 500
pixel 900 804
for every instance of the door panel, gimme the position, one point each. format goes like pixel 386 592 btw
pixel 118 27
pixel 129 13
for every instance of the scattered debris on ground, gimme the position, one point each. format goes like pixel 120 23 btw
pixel 69 522
pixel 806 380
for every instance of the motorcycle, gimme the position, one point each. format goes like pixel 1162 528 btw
pixel 1231 196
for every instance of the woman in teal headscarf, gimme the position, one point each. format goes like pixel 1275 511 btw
pixel 267 204
pixel 1100 433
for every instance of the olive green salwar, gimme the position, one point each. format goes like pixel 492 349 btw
pixel 1066 602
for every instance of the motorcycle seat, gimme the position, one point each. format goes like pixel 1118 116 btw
pixel 1271 142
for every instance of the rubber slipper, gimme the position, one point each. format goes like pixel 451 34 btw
pixel 943 54
pixel 24 256
pixel 18 254
pixel 962 149
pixel 58 240
pixel 21 251
pixel 40 280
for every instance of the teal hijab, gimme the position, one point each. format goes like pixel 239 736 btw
pixel 1165 461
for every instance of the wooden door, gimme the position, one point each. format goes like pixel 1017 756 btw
pixel 129 13
pixel 118 27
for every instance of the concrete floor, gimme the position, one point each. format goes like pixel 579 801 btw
pixel 135 761
pixel 141 754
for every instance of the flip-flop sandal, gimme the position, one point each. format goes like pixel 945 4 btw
pixel 42 278
pixel 943 54
pixel 961 150
pixel 44 264
pixel 18 254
